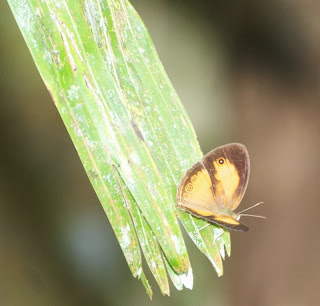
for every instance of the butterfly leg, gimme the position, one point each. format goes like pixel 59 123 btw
pixel 204 226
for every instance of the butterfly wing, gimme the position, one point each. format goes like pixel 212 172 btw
pixel 230 177
pixel 195 195
pixel 196 189
pixel 211 190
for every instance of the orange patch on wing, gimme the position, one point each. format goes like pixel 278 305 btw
pixel 227 179
pixel 227 220
pixel 196 188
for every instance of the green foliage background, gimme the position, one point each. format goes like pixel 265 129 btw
pixel 245 71
pixel 128 126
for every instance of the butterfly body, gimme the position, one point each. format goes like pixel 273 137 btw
pixel 214 187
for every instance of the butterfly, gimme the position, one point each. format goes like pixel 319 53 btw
pixel 214 187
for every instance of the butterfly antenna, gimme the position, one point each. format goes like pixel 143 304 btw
pixel 255 205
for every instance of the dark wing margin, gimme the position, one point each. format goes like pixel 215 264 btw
pixel 223 220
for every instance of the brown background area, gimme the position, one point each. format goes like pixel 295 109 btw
pixel 247 72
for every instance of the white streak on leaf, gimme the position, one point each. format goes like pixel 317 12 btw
pixel 125 240
pixel 187 279
pixel 73 93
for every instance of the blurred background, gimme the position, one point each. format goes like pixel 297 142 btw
pixel 246 71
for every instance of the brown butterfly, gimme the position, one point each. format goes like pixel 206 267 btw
pixel 214 187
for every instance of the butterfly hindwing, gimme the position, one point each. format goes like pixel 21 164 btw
pixel 196 188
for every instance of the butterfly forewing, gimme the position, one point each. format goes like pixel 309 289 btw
pixel 228 167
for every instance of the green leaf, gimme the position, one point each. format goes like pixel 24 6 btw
pixel 128 125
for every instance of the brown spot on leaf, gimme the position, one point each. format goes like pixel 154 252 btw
pixel 136 129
